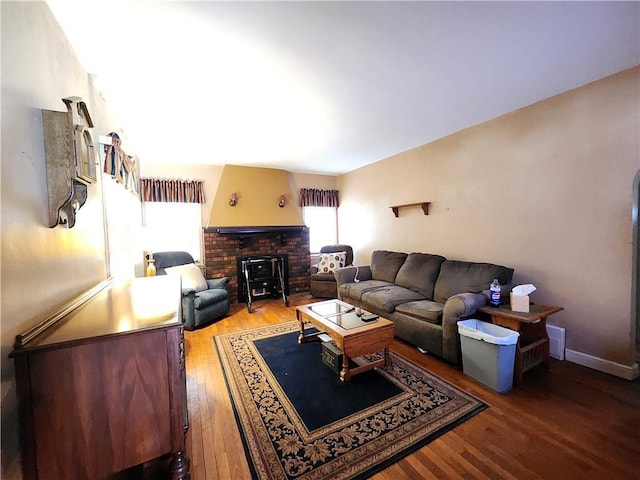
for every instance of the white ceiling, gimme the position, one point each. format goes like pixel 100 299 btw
pixel 327 87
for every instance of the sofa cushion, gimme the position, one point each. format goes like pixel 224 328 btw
pixel 209 297
pixel 356 289
pixel 385 265
pixel 329 262
pixel 419 273
pixel 323 277
pixel 387 298
pixel 422 309
pixel 460 277
pixel 192 277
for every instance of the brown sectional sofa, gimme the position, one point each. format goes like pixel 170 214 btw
pixel 423 294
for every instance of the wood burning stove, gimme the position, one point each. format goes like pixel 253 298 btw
pixel 263 276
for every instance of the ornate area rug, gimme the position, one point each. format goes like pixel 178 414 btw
pixel 299 421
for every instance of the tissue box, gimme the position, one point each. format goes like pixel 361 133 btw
pixel 519 303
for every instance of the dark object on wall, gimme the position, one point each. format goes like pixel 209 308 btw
pixel 70 159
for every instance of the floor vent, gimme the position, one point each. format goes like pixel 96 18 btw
pixel 556 341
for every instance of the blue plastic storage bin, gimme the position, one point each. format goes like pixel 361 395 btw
pixel 488 353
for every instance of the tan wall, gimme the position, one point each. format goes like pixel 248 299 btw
pixel 42 267
pixel 546 189
pixel 312 180
pixel 211 175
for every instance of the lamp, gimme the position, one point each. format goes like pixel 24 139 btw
pixel 233 200
pixel 282 201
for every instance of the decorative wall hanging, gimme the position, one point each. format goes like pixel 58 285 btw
pixel 119 165
pixel 70 160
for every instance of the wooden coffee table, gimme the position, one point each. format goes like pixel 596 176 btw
pixel 352 335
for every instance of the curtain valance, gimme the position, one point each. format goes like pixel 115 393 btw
pixel 313 197
pixel 171 190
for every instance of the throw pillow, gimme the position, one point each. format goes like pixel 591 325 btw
pixel 192 277
pixel 330 262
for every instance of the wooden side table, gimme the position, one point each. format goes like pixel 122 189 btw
pixel 533 343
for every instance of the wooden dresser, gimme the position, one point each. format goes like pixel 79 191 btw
pixel 101 384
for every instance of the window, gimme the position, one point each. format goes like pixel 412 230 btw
pixel 123 218
pixel 173 226
pixel 323 226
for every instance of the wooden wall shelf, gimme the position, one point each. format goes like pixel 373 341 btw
pixel 424 205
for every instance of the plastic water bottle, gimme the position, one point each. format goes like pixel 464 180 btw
pixel 494 293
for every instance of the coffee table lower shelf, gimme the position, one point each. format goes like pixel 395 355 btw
pixel 354 342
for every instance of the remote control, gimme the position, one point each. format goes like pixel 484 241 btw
pixel 369 318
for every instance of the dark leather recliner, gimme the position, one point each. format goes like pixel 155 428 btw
pixel 198 307
pixel 323 285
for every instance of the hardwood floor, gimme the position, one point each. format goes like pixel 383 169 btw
pixel 564 422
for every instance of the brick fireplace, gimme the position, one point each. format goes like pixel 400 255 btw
pixel 222 246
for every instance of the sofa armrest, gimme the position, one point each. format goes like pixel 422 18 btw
pixel 222 282
pixel 351 274
pixel 457 307
pixel 314 268
pixel 188 314
pixel 186 292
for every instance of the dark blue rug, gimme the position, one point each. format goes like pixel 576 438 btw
pixel 324 399
pixel 299 421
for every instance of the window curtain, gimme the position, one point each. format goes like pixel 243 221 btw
pixel 171 190
pixel 313 197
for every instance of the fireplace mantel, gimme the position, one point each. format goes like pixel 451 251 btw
pixel 257 230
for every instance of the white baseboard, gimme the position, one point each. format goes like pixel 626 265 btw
pixel 602 365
